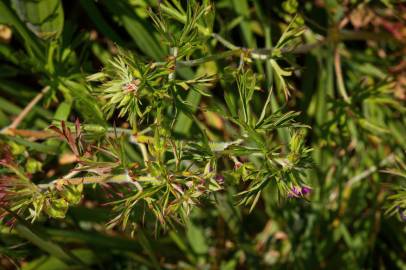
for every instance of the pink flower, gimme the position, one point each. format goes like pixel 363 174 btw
pixel 220 179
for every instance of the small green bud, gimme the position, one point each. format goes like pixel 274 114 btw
pixel 33 166
pixel 276 52
pixel 72 194
pixel 136 73
pixel 16 149
pixel 290 6
pixel 56 208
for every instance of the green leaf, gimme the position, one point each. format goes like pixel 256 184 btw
pixel 63 111
pixel 46 263
pixel 40 147
pixel 141 32
pixel 45 244
pixel 242 9
pixel 102 25
pixel 83 101
pixel 197 239
pixel 43 17
pixel 33 45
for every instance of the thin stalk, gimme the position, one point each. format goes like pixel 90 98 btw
pixel 339 75
pixel 26 110
pixel 144 152
pixel 87 180
pixel 135 139
pixel 262 54
pixel 143 148
pixel 174 55
pixel 366 173
pixel 44 134
pixel 196 62
pixel 387 161
pixel 364 35
pixel 225 42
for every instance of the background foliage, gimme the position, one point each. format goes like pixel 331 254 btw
pixel 237 134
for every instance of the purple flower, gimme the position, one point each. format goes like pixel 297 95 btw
pixel 220 179
pixel 294 192
pixel 297 191
pixel 306 190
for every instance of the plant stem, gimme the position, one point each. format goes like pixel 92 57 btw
pixel 135 139
pixel 44 134
pixel 26 110
pixel 339 75
pixel 114 179
pixel 388 160
pixel 143 148
pixel 225 42
pixel 258 54
pixel 174 54
pixel 371 170
pixel 364 35
pixel 196 62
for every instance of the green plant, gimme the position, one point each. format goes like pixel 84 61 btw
pixel 164 138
